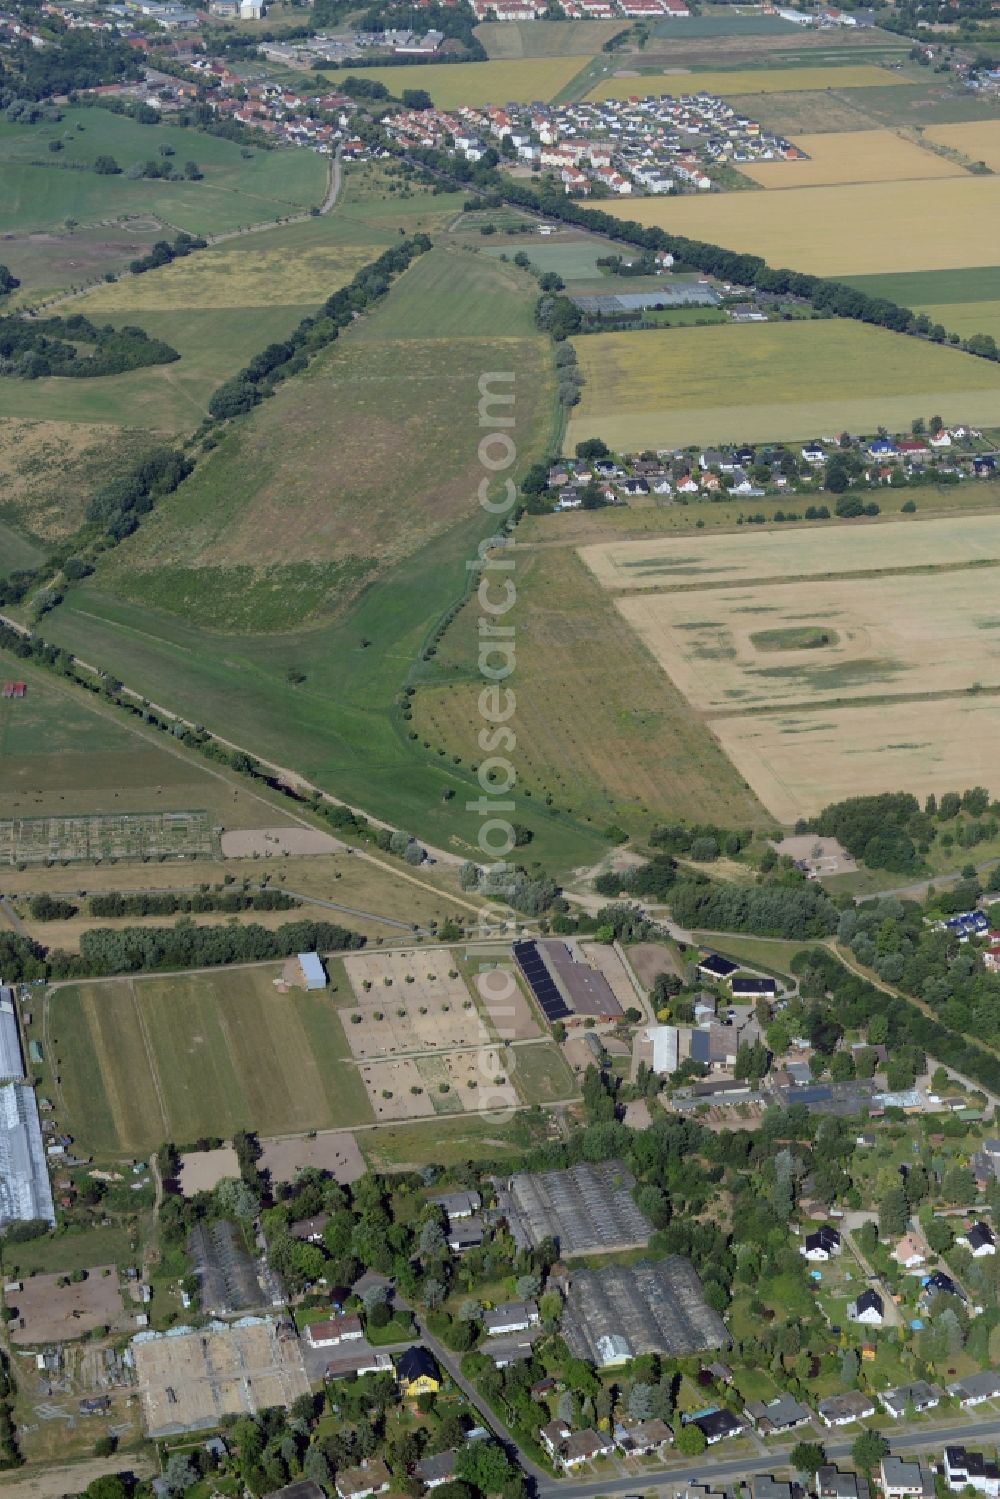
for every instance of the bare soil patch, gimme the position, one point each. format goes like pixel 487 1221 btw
pixel 332 1150
pixel 51 1313
pixel 413 1004
pixel 511 1015
pixel 650 958
pixel 270 843
pixel 202 1170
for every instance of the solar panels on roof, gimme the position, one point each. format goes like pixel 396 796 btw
pixel 539 981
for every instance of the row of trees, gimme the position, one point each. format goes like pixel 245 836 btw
pixel 167 903
pixel 163 252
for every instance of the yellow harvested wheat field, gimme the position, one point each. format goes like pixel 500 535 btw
pixel 856 230
pixel 235 278
pixel 979 141
pixel 452 85
pixel 829 662
pixel 762 382
pixel 852 156
pixel 758 647
pixel 743 81
pixel 699 561
pixel 799 762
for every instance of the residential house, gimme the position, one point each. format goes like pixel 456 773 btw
pixel 910 1252
pixel 784 1413
pixel 940 439
pixel 904 1480
pixel 433 1471
pixel 346 1329
pixel 359 1483
pixel 978 1240
pixel 842 1410
pixel 717 1425
pixel 763 1486
pixel 868 1308
pixel 511 1316
pixel 462 1204
pixel 940 1284
pixel 465 1233
pixel 642 1438
pixel 310 1229
pixel 570 1449
pixel 964 1470
pixel 919 1397
pixel 831 1483
pixel 975 1389
pixel 822 1245
pixel 417 1372
pixel 813 452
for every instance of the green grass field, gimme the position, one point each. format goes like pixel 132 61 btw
pixel 506 39
pixel 235 191
pixel 917 288
pixel 16 551
pixel 181 1058
pixel 69 1249
pixel 573 260
pixel 453 85
pixel 769 381
pixel 457 294
pixel 542 1074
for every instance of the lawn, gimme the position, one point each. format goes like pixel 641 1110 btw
pixel 42 189
pixel 765 80
pixel 443 1141
pixel 541 1073
pixel 852 156
pixel 859 229
pixel 456 84
pixel 601 732
pixel 203 1055
pixel 769 381
pixel 68 1249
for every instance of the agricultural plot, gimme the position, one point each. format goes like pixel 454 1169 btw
pixel 852 156
pixel 316 470
pixel 235 190
pixel 854 230
pixel 979 141
pixel 453 85
pixel 407 1002
pixel 743 81
pixel 202 1055
pixel 150 835
pixel 573 260
pixel 821 689
pixel 455 1082
pixel 504 40
pixel 670 389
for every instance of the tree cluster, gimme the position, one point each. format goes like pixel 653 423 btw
pixel 47 346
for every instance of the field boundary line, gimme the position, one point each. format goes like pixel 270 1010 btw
pixel 150 1056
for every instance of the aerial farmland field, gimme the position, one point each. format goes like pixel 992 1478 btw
pixel 769 381
pixel 852 156
pixel 978 140
pixel 744 81
pixel 495 82
pixel 204 1055
pixel 854 230
pixel 828 662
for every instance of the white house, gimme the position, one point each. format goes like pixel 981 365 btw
pixel 964 1470
pixel 978 1240
pixel 868 1308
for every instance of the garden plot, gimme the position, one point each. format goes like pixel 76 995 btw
pixel 113 836
pixel 415 1002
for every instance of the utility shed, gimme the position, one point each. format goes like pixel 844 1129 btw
pixel 312 970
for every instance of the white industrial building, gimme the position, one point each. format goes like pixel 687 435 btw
pixel 11 1056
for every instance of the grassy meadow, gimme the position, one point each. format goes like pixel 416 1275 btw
pixel 48 471
pixel 743 81
pixel 694 385
pixel 503 81
pixel 203 1055
pixel 41 189
pixel 850 230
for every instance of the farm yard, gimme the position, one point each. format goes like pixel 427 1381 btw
pixel 848 230
pixel 769 381
pixel 852 156
pixel 202 1055
pixel 822 689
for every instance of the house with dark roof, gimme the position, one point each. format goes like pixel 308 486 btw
pixel 868 1308
pixel 822 1245
pixel 433 1471
pixel 918 1397
pixel 975 1389
pixel 716 1425
pixel 784 1413
pixel 642 1438
pixel 841 1410
pixel 978 1240
pixel 417 1372
pixel 714 966
pixel 965 1470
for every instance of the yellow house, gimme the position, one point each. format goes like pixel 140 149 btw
pixel 417 1372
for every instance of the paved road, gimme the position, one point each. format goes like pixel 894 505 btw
pixel 710 1469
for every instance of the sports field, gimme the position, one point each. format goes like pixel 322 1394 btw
pixel 829 662
pixel 178 1058
pixel 979 141
pixel 743 81
pixel 769 381
pixel 497 82
pixel 854 230
pixel 852 156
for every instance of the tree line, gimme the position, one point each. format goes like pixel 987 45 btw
pixel 892 831
pixel 825 294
